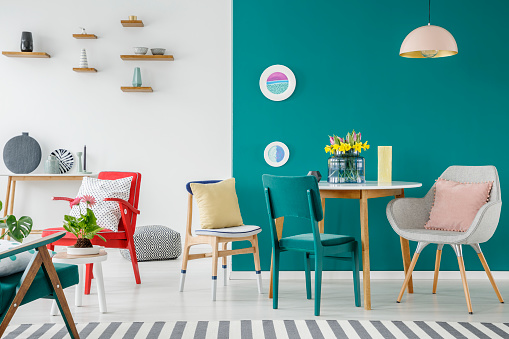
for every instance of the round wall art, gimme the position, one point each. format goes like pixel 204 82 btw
pixel 65 159
pixel 277 82
pixel 22 154
pixel 276 154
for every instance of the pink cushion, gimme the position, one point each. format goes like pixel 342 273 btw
pixel 456 204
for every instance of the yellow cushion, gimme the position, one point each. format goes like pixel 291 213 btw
pixel 218 204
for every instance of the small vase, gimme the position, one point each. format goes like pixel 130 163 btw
pixel 51 165
pixel 137 77
pixel 80 166
pixel 348 167
pixel 27 43
pixel 83 59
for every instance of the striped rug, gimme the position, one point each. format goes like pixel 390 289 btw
pixel 273 329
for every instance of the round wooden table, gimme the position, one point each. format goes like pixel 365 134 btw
pixel 81 260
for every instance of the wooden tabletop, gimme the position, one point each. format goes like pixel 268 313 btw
pixel 369 185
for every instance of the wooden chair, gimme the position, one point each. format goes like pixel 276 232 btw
pixel 299 197
pixel 214 237
pixel 41 279
pixel 123 238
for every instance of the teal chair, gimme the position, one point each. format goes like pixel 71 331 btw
pixel 41 279
pixel 299 197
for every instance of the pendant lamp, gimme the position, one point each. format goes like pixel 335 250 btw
pixel 428 42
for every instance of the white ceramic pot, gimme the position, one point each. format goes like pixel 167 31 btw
pixel 83 251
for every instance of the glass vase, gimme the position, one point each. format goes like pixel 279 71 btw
pixel 347 167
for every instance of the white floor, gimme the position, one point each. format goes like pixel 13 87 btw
pixel 158 299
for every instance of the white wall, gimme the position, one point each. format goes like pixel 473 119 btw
pixel 181 132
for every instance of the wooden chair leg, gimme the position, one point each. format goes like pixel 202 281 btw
pixel 258 268
pixel 225 265
pixel 134 261
pixel 88 278
pixel 52 275
pixel 437 268
pixel 490 276
pixel 215 254
pixel 408 276
pixel 275 280
pixel 356 278
pixel 185 259
pixel 307 272
pixel 461 265
pixel 318 282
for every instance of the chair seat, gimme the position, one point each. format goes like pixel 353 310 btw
pixel 40 288
pixel 107 234
pixel 230 232
pixel 306 240
pixel 433 236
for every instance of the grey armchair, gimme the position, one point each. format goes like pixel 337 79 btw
pixel 407 217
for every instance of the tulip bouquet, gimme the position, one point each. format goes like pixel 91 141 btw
pixel 352 141
pixel 345 164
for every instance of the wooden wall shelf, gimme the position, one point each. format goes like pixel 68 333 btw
pixel 84 36
pixel 132 23
pixel 147 57
pixel 26 54
pixel 136 89
pixel 85 70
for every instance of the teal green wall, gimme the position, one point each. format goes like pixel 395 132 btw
pixel 344 54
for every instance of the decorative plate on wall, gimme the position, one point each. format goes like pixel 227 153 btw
pixel 277 82
pixel 276 154
pixel 65 159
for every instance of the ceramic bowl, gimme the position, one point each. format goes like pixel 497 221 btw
pixel 140 50
pixel 158 51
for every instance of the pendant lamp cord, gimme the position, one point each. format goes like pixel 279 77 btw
pixel 429 12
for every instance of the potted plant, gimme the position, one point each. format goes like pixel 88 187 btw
pixel 83 227
pixel 16 229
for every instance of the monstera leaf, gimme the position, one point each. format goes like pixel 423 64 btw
pixel 17 229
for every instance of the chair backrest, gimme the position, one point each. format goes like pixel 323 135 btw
pixel 288 196
pixel 134 194
pixel 475 174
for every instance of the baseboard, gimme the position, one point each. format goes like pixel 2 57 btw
pixel 375 275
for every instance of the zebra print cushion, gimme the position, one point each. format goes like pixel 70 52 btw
pixel 155 243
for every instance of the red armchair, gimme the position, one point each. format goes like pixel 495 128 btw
pixel 126 226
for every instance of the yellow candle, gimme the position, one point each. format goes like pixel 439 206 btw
pixel 384 163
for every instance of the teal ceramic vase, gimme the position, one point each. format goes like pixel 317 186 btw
pixel 137 77
pixel 51 166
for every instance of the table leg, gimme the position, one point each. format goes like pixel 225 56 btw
pixel 321 223
pixel 100 287
pixel 365 250
pixel 279 230
pixel 11 202
pixel 6 206
pixel 54 308
pixel 78 297
pixel 405 252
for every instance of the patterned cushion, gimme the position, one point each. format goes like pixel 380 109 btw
pixel 106 212
pixel 155 243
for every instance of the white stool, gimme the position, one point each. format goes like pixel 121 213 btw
pixel 96 259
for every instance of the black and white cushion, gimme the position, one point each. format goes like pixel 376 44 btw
pixel 155 243
pixel 230 232
pixel 106 212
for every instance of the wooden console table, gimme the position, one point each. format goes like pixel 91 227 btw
pixel 13 178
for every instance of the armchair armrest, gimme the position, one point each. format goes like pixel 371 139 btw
pixel 63 198
pixel 32 244
pixel 408 213
pixel 124 203
pixel 485 223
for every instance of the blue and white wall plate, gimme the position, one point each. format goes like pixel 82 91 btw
pixel 276 154
pixel 277 82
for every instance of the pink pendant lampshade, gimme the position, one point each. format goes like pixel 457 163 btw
pixel 428 42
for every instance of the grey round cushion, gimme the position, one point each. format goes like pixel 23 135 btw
pixel 155 242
